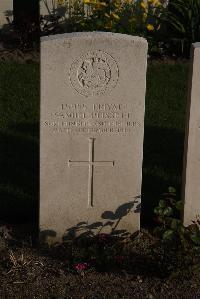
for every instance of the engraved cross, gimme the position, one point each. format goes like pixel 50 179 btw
pixel 90 163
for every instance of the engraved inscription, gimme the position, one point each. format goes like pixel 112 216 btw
pixel 91 118
pixel 90 163
pixel 94 73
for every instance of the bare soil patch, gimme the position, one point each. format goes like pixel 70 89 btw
pixel 147 269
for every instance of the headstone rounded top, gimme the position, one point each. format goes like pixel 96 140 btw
pixel 95 34
pixel 92 126
pixel 196 45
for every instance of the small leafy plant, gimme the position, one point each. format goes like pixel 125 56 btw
pixel 170 227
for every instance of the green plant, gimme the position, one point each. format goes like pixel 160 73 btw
pixel 103 15
pixel 62 16
pixel 137 17
pixel 129 17
pixel 170 227
pixel 183 21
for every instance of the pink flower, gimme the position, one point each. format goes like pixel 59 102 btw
pixel 80 267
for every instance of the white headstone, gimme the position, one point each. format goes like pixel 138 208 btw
pixel 191 175
pixel 6 8
pixel 92 122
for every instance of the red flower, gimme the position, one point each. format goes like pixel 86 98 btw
pixel 80 267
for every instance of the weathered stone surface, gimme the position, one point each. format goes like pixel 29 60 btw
pixel 191 175
pixel 92 122
pixel 6 7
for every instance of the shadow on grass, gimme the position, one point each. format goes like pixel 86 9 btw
pixel 162 167
pixel 19 173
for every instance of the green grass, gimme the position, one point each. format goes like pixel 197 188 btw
pixel 19 91
pixel 19 156
pixel 19 136
pixel 166 95
pixel 164 132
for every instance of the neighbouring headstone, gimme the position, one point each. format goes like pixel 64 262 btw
pixel 6 10
pixel 191 174
pixel 92 122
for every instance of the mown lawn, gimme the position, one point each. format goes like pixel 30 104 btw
pixel 19 136
pixel 166 98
